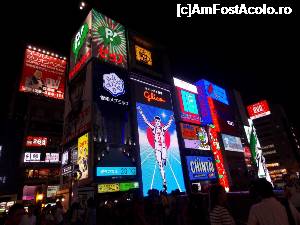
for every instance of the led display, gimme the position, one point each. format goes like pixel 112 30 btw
pixel 187 94
pixel 143 55
pixel 204 107
pixel 43 74
pixel 81 50
pixel 232 143
pixel 82 160
pixel 109 40
pixel 258 110
pixel 194 137
pixel 115 171
pixel 32 141
pixel 200 168
pixel 159 151
pixel 213 91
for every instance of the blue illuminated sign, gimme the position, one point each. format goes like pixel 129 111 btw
pixel 213 91
pixel 200 168
pixel 205 113
pixel 115 171
pixel 189 102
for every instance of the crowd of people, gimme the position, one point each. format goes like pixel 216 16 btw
pixel 159 208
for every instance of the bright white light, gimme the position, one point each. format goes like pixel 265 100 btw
pixel 56 55
pixel 65 58
pixel 81 8
pixel 82 4
pixel 52 54
pixel 39 50
pixel 185 85
pixel 44 51
pixel 163 115
pixel 48 53
pixel 34 48
pixel 29 46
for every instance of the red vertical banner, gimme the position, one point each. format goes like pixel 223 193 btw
pixel 213 114
pixel 215 146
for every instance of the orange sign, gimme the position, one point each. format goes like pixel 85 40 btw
pixel 143 55
pixel 151 96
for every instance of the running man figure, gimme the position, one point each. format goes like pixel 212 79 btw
pixel 160 146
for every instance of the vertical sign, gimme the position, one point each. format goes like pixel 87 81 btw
pixel 82 160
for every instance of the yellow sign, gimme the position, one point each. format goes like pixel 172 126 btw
pixel 82 160
pixel 143 55
pixel 104 188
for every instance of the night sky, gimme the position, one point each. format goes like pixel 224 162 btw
pixel 254 54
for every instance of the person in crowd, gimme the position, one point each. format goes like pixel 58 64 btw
pixel 48 218
pixel 59 214
pixel 91 212
pixel 269 210
pixel 29 218
pixel 76 214
pixel 292 191
pixel 15 215
pixel 219 214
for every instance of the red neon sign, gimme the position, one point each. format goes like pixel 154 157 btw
pixel 32 141
pixel 258 110
pixel 79 65
pixel 213 114
pixel 215 146
pixel 111 57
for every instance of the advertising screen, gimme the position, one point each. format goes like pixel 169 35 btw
pixel 51 191
pixel 81 50
pixel 232 143
pixel 143 55
pixel 116 187
pixel 52 157
pixel 65 158
pixel 200 168
pixel 32 157
pixel 43 74
pixel 115 171
pixel 204 108
pixel 32 141
pixel 82 160
pixel 29 192
pixel 111 88
pixel 258 110
pixel 194 137
pixel 109 40
pixel 213 91
pixel 223 117
pixel 187 94
pixel 159 151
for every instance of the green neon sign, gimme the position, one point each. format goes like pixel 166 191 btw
pixel 128 186
pixel 79 39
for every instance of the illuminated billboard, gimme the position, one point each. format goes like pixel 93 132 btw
pixel 159 151
pixel 36 157
pixel 213 91
pixel 116 187
pixel 204 108
pixel 65 158
pixel 223 117
pixel 194 137
pixel 200 168
pixel 109 40
pixel 82 160
pixel 232 143
pixel 215 147
pixel 81 50
pixel 187 95
pixel 258 110
pixel 110 86
pixel 51 191
pixel 143 55
pixel 115 171
pixel 33 141
pixel 43 74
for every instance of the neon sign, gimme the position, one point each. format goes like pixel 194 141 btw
pixel 32 141
pixel 200 168
pixel 79 65
pixel 151 96
pixel 79 39
pixel 215 146
pixel 258 110
pixel 109 40
pixel 115 171
pixel 113 84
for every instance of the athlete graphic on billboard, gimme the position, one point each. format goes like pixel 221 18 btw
pixel 160 147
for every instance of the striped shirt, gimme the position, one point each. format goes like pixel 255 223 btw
pixel 220 216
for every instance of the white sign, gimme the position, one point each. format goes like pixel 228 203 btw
pixel 232 143
pixel 32 157
pixel 51 191
pixel 113 84
pixel 184 85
